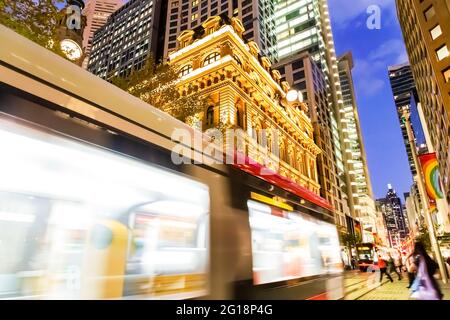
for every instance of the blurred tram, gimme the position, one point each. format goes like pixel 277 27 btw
pixel 93 207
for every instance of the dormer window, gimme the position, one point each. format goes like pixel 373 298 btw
pixel 185 70
pixel 212 57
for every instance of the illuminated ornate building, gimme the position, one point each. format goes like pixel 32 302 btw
pixel 246 93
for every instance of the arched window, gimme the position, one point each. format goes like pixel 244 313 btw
pixel 255 77
pixel 185 70
pixel 238 118
pixel 212 57
pixel 239 62
pixel 209 119
pixel 240 122
pixel 282 155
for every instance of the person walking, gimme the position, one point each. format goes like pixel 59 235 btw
pixel 383 269
pixel 391 267
pixel 425 286
pixel 411 268
pixel 399 263
pixel 353 262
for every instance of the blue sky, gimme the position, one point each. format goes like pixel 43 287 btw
pixel 373 51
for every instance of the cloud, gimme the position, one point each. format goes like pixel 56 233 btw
pixel 345 11
pixel 390 48
pixel 368 75
pixel 371 71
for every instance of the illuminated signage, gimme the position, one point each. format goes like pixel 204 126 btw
pixel 276 202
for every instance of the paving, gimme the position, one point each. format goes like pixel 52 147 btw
pixel 366 286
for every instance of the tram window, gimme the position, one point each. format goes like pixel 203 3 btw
pixel 78 221
pixel 292 247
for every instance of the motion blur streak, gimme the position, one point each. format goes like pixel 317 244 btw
pixel 80 222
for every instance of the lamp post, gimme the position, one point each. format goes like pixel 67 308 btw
pixel 424 198
pixel 71 24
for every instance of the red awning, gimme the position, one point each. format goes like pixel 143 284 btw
pixel 255 169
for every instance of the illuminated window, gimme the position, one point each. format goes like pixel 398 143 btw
pixel 442 53
pixel 185 70
pixel 436 32
pixel 194 3
pixel 194 16
pixel 429 13
pixel 209 119
pixel 213 57
pixel 446 74
pixel 239 120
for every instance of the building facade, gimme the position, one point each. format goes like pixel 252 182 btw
pixel 245 93
pixel 413 214
pixel 304 26
pixel 128 38
pixel 426 31
pixel 304 75
pixel 257 17
pixel 402 85
pixel 396 223
pixel 359 186
pixel 97 13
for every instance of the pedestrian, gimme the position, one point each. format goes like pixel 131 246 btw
pixel 383 269
pixel 411 269
pixel 425 286
pixel 391 267
pixel 448 266
pixel 353 262
pixel 399 263
pixel 404 258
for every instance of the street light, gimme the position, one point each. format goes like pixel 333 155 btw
pixel 294 96
pixel 424 198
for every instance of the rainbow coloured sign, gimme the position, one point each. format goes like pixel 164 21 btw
pixel 430 170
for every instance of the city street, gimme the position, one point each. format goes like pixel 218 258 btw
pixel 366 286
pixel 220 150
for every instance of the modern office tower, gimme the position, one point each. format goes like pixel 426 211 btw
pixel 416 123
pixel 402 85
pixel 426 31
pixel 245 92
pixel 305 26
pixel 257 17
pixel 359 186
pixel 304 75
pixel 396 223
pixel 126 40
pixel 413 213
pixel 97 13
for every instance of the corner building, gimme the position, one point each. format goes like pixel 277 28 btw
pixel 245 93
pixel 426 31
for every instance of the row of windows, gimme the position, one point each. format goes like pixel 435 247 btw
pixel 443 51
pixel 211 58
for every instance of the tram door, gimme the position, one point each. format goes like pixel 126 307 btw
pixel 105 261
